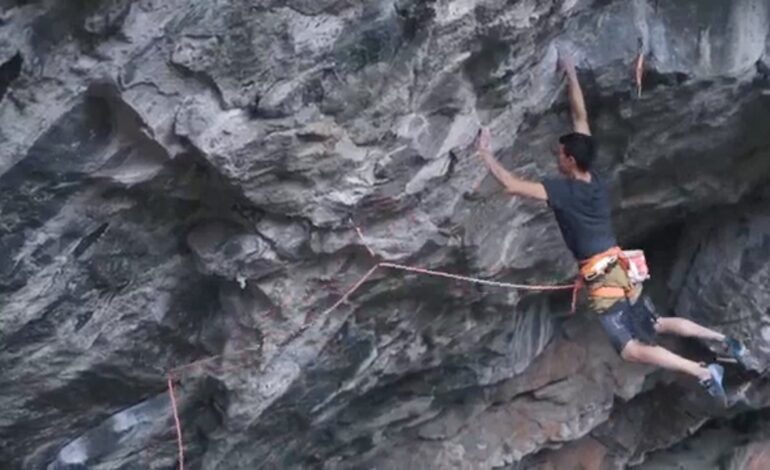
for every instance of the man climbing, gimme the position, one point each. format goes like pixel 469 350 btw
pixel 581 206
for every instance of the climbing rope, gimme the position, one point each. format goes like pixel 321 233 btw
pixel 177 423
pixel 179 371
pixel 429 272
pixel 639 73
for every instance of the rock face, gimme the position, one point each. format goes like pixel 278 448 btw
pixel 182 181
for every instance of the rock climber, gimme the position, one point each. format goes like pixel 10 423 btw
pixel 580 202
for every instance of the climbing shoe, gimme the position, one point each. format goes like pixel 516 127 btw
pixel 713 384
pixel 735 350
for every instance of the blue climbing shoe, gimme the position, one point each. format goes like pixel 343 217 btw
pixel 736 350
pixel 713 384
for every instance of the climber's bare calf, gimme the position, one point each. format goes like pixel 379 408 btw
pixel 685 327
pixel 635 351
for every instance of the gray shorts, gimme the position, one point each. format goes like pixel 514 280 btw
pixel 624 322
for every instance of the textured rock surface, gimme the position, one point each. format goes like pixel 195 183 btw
pixel 182 179
pixel 722 272
pixel 740 443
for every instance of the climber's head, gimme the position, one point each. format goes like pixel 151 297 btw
pixel 576 152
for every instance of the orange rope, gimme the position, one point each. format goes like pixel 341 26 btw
pixel 176 422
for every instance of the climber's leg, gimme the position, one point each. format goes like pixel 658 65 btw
pixel 685 327
pixel 624 322
pixel 644 313
pixel 636 351
pixel 644 310
pixel 709 377
pixel 632 329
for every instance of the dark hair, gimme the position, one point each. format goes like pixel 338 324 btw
pixel 580 147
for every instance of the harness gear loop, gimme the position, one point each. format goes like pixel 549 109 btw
pixel 591 269
pixel 597 265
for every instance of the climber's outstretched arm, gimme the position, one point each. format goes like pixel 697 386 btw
pixel 513 184
pixel 576 102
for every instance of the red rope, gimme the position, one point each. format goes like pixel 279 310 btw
pixel 176 421
pixel 579 283
pixel 178 371
pixel 350 291
pixel 363 241
pixel 474 280
pixel 639 72
pixel 182 369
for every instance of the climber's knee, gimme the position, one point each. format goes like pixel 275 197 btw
pixel 665 325
pixel 632 351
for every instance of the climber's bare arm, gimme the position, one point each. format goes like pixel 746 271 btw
pixel 513 184
pixel 576 102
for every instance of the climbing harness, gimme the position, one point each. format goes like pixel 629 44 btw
pixel 633 263
pixel 598 265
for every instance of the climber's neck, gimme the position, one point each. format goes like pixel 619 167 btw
pixel 584 176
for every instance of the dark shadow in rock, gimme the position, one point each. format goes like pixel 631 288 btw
pixel 369 44
pixel 107 18
pixel 481 68
pixel 717 444
pixel 43 327
pixel 60 21
pixel 10 71
pixel 415 18
pixel 654 79
pixel 90 239
pixel 38 187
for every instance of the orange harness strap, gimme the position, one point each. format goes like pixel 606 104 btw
pixel 588 266
pixel 608 291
